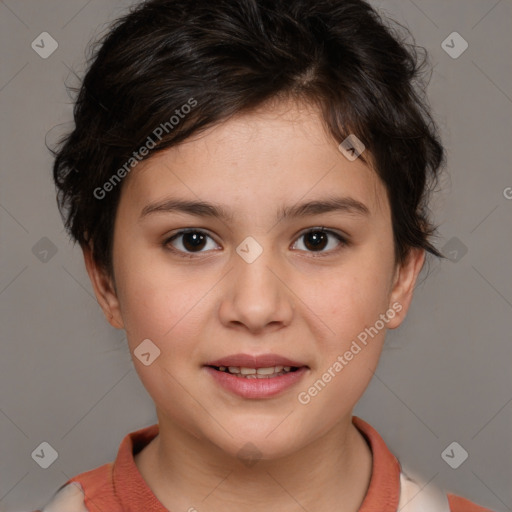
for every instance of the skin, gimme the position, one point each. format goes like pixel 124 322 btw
pixel 304 304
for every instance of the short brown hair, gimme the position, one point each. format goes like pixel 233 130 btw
pixel 230 57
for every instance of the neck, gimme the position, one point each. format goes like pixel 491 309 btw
pixel 184 472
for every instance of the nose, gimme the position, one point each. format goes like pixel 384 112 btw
pixel 256 297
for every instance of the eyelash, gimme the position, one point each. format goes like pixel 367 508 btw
pixel 320 254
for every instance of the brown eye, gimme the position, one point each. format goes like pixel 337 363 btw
pixel 188 241
pixel 316 240
pixel 193 241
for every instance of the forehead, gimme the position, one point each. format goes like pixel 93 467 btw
pixel 279 153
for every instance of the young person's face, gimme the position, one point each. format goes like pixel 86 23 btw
pixel 306 298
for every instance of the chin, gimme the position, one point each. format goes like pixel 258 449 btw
pixel 256 441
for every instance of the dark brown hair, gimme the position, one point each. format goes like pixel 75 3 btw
pixel 223 57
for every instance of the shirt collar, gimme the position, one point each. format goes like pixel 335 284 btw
pixel 382 495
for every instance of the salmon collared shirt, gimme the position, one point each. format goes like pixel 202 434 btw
pixel 119 487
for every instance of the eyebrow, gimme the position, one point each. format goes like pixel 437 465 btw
pixel 207 209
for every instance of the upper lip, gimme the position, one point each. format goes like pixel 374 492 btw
pixel 253 361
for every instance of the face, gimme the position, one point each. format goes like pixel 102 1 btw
pixel 299 271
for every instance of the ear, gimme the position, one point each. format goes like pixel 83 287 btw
pixel 104 289
pixel 403 285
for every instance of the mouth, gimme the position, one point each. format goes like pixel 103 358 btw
pixel 256 377
pixel 244 372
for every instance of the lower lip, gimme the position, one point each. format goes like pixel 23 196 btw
pixel 256 388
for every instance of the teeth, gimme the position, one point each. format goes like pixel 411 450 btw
pixel 269 371
pixel 256 373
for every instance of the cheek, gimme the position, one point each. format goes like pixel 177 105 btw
pixel 349 357
pixel 160 305
pixel 159 301
pixel 354 298
pixel 358 331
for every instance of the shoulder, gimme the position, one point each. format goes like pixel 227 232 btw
pixel 76 494
pixel 68 499
pixel 416 495
pixel 459 504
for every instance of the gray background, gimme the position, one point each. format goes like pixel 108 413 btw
pixel 66 375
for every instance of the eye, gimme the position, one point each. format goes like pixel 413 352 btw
pixel 317 239
pixel 192 240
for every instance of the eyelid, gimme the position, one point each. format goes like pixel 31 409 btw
pixel 168 239
pixel 342 238
pixel 323 229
